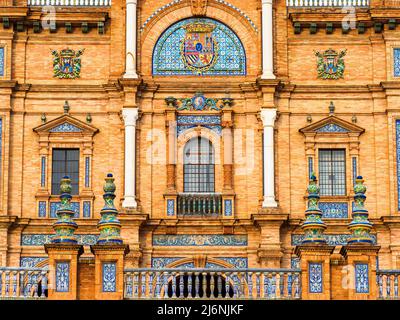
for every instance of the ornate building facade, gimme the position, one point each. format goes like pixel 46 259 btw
pixel 212 116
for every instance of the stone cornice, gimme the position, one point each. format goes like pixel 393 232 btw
pixel 62 247
pixel 313 248
pixel 107 248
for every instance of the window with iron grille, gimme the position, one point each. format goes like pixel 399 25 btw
pixel 332 172
pixel 198 168
pixel 65 162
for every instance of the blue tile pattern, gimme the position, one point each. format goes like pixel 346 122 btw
pixel 332 239
pixel 362 279
pixel 162 262
pixel 1 61
pixel 170 207
pixel 396 62
pixel 65 127
pixel 398 161
pixel 62 276
pixel 31 262
pixel 315 277
pixel 42 209
pixel 230 54
pixel 87 172
pixel 109 277
pixel 295 263
pixel 237 262
pixel 54 206
pixel 310 167
pixel 86 209
pixel 186 122
pixel 354 165
pixel 43 172
pixel 30 239
pixel 199 240
pixel 227 207
pixel 331 127
pixel 334 210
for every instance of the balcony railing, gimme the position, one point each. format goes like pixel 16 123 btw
pixel 23 283
pixel 199 204
pixel 388 284
pixel 70 3
pixel 212 284
pixel 327 3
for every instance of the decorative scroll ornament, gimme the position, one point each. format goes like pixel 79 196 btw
pixel 199 49
pixel 313 226
pixel 330 64
pixel 67 63
pixel 65 226
pixel 109 225
pixel 360 226
pixel 199 7
pixel 199 103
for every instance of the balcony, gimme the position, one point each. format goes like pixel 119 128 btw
pixel 327 3
pixel 23 283
pixel 70 3
pixel 212 284
pixel 199 204
pixel 388 284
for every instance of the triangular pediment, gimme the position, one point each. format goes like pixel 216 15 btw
pixel 66 124
pixel 332 125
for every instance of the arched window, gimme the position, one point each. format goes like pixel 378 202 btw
pixel 199 46
pixel 198 166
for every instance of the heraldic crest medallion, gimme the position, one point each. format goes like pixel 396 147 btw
pixel 330 64
pixel 199 50
pixel 67 63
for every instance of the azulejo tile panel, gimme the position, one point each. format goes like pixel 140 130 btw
pixel 42 209
pixel 186 122
pixel 170 207
pixel 362 279
pixel 109 277
pixel 41 239
pixel 237 262
pixel 54 206
pixel 331 239
pixel 332 127
pixel 199 46
pixel 31 262
pixel 162 262
pixel 199 240
pixel 66 127
pixel 334 210
pixel 1 61
pixel 315 277
pixel 228 208
pixel 62 276
pixel 396 62
pixel 86 209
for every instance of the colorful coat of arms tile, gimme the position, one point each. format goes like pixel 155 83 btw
pixel 330 64
pixel 67 63
pixel 199 50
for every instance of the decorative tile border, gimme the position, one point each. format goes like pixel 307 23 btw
pixel 87 171
pixel 2 54
pixel 310 167
pixel 43 172
pixel 31 262
pixel 186 122
pixel 170 207
pixel 87 209
pixel 41 239
pixel 354 165
pixel 334 210
pixel 362 279
pixel 162 262
pixel 62 276
pixel 237 262
pixel 332 239
pixel 315 277
pixel 228 207
pixel 199 240
pixel 54 206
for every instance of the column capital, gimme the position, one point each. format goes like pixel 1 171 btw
pixel 130 115
pixel 263 1
pixel 268 117
pixel 134 2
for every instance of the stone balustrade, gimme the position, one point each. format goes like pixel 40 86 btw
pixel 212 284
pixel 199 204
pixel 388 284
pixel 327 3
pixel 70 3
pixel 23 283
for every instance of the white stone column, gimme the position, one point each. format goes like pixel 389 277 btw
pixel 268 117
pixel 130 40
pixel 267 40
pixel 130 115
